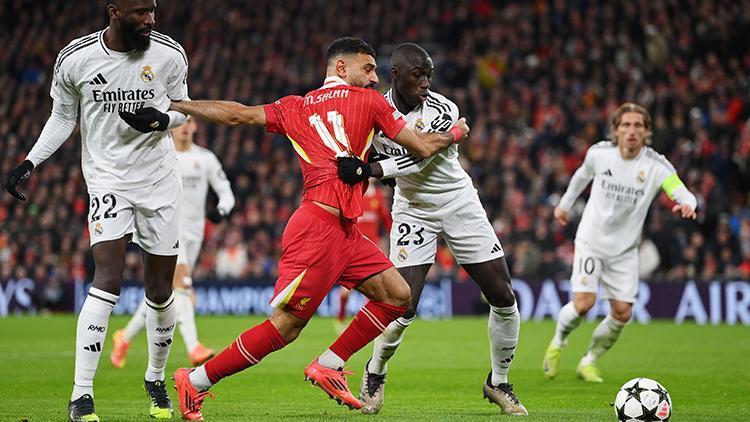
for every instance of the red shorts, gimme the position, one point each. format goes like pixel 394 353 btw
pixel 317 250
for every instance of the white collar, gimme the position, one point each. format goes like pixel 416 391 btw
pixel 332 81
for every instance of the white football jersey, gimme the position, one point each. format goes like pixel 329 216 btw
pixel 104 82
pixel 200 168
pixel 432 180
pixel 621 194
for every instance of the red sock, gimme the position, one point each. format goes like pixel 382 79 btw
pixel 249 348
pixel 343 298
pixel 369 322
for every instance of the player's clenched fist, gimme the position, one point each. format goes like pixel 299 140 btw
pixel 352 170
pixel 561 216
pixel 147 119
pixel 17 176
pixel 460 130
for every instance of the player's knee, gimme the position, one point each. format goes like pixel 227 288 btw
pixel 622 315
pixel 288 325
pixel 411 312
pixel 583 308
pixel 502 298
pixel 583 303
pixel 399 294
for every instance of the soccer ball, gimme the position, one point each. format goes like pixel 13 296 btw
pixel 643 399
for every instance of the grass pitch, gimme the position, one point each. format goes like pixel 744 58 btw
pixel 437 374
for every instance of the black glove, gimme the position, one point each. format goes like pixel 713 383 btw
pixel 388 182
pixel 147 119
pixel 352 170
pixel 17 176
pixel 215 216
pixel 375 157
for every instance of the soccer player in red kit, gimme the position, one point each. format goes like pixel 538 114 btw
pixel 321 244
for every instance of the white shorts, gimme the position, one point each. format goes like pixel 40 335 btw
pixel 618 276
pixel 152 214
pixel 188 253
pixel 462 223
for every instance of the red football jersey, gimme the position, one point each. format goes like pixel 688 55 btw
pixel 334 120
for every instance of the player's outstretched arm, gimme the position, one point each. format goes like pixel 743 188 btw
pixel 686 201
pixel 228 113
pixel 424 145
pixel 58 128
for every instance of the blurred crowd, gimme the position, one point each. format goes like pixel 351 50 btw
pixel 537 81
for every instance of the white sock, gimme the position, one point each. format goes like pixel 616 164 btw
pixel 160 322
pixel 186 318
pixel 91 332
pixel 605 335
pixel 136 324
pixel 331 360
pixel 503 327
pixel 567 321
pixel 385 345
pixel 199 378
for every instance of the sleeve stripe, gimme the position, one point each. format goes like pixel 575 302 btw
pixel 184 57
pixel 77 43
pixel 432 99
pixel 405 165
pixel 166 39
pixel 671 183
pixel 404 158
pixel 62 58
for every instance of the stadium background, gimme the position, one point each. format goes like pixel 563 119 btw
pixel 537 81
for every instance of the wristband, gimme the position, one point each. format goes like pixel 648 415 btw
pixel 456 133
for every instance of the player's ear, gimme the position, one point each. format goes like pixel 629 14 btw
pixel 112 11
pixel 394 72
pixel 341 68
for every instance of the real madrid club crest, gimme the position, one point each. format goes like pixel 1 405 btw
pixel 98 229
pixel 419 124
pixel 402 255
pixel 641 176
pixel 147 75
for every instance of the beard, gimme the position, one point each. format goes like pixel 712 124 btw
pixel 133 37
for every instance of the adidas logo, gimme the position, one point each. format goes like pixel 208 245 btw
pixel 96 347
pixel 496 248
pixel 164 343
pixel 98 80
pixel 607 172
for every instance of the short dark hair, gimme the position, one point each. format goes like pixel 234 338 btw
pixel 348 45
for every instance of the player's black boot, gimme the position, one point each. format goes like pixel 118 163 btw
pixel 503 396
pixel 372 391
pixel 161 406
pixel 82 410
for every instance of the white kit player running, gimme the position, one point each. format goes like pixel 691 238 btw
pixel 436 197
pixel 627 174
pixel 200 169
pixel 131 174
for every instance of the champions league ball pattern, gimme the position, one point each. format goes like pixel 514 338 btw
pixel 643 399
